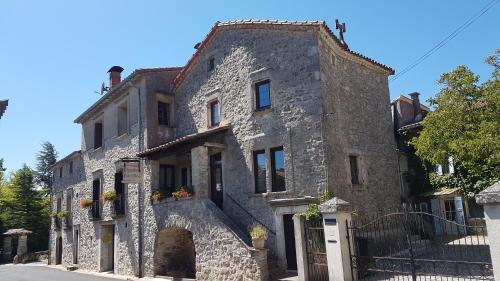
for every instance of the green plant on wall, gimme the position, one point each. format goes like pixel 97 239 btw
pixel 313 209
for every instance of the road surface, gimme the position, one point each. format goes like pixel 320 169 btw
pixel 37 272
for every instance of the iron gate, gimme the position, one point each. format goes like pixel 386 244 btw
pixel 317 267
pixel 411 245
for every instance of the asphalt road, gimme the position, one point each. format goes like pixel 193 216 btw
pixel 11 272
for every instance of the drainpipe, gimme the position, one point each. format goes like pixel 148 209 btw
pixel 139 185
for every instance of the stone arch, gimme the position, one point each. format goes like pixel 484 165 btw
pixel 174 253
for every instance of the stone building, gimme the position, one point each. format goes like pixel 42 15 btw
pixel 264 117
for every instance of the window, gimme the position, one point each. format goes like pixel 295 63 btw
pixel 262 95
pixel 353 161
pixel 214 113
pixel 122 119
pixel 69 197
pixel 184 176
pixel 96 195
pixel 60 172
pixel 210 64
pixel 450 210
pixel 278 169
pixel 167 179
pixel 97 135
pixel 163 113
pixel 119 202
pixel 259 169
pixel 71 167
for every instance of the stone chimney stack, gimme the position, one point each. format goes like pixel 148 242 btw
pixel 416 104
pixel 115 76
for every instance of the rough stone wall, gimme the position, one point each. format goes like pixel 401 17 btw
pixel 358 122
pixel 290 59
pixel 220 254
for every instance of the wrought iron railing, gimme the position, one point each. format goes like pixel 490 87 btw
pixel 252 217
pixel 96 209
pixel 119 205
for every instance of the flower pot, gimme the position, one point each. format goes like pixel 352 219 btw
pixel 258 243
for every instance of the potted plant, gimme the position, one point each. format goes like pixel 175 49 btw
pixel 259 236
pixel 157 196
pixel 86 203
pixel 182 192
pixel 109 195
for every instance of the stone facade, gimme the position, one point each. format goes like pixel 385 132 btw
pixel 327 104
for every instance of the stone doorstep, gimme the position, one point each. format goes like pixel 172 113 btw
pixel 163 278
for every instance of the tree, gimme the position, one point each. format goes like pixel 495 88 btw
pixel 45 159
pixel 466 126
pixel 28 208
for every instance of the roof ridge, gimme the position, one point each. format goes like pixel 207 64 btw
pixel 180 77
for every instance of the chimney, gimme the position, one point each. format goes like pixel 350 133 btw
pixel 416 104
pixel 115 76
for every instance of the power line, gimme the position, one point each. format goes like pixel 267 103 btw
pixel 446 39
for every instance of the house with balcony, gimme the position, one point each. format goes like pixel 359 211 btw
pixel 176 164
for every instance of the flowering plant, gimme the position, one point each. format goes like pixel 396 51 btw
pixel 109 195
pixel 182 192
pixel 157 196
pixel 85 203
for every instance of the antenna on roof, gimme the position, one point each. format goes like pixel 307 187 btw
pixel 103 89
pixel 342 30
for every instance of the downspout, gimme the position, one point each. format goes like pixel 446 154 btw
pixel 139 185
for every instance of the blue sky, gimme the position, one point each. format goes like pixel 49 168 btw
pixel 55 54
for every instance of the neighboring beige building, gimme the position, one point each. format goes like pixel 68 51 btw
pixel 265 117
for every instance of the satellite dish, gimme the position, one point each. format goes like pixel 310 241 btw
pixel 103 88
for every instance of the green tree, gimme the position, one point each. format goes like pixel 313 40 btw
pixel 45 158
pixel 466 126
pixel 28 208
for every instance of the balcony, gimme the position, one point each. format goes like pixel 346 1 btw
pixel 95 210
pixel 118 208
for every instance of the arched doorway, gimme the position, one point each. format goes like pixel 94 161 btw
pixel 175 254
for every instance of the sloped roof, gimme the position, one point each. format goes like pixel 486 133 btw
pixel 113 92
pixel 3 106
pixel 183 139
pixel 268 24
pixel 69 156
pixel 408 100
pixel 440 192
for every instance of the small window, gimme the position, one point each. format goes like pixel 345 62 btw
pixel 210 64
pixel 97 135
pixel 163 113
pixel 262 95
pixel 259 169
pixel 214 113
pixel 353 161
pixel 167 179
pixel 60 172
pixel 122 119
pixel 278 169
pixel 71 167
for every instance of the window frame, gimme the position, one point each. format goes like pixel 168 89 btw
pixel 211 113
pixel 101 138
pixel 122 129
pixel 162 119
pixel 258 106
pixel 355 177
pixel 273 169
pixel 166 187
pixel 255 157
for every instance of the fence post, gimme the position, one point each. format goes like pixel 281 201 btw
pixel 300 244
pixel 336 212
pixel 490 199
